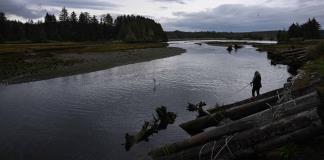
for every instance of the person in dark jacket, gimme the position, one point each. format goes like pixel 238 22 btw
pixel 256 84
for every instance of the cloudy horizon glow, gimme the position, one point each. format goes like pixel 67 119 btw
pixel 185 15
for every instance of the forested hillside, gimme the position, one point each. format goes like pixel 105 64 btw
pixel 82 27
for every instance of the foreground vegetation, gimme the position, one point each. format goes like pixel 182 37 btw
pixel 30 62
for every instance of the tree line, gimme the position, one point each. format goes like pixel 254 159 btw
pixel 260 35
pixel 309 30
pixel 83 27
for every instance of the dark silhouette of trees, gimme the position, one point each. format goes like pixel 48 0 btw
pixel 139 29
pixel 3 20
pixel 85 27
pixel 295 31
pixel 73 18
pixel 50 27
pixel 107 19
pixel 309 30
pixel 282 36
pixel 64 15
pixel 260 35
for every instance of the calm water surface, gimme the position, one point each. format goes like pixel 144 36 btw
pixel 86 116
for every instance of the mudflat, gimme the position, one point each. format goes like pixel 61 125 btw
pixel 31 62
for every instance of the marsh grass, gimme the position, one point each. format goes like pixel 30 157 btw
pixel 317 50
pixel 75 47
pixel 278 48
pixel 49 60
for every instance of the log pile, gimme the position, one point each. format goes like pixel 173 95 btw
pixel 239 110
pixel 260 131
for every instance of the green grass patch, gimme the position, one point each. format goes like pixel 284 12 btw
pixel 277 48
pixel 317 50
pixel 317 65
pixel 75 47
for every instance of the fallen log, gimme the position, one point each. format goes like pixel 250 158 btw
pixel 164 118
pixel 302 52
pixel 293 51
pixel 295 127
pixel 249 100
pixel 297 93
pixel 255 120
pixel 198 125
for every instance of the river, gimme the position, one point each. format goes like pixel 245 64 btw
pixel 86 116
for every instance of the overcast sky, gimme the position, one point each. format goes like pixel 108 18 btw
pixel 187 15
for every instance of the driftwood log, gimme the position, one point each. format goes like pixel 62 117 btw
pixel 265 117
pixel 232 112
pixel 164 118
pixel 247 142
pixel 198 125
pixel 297 93
pixel 249 100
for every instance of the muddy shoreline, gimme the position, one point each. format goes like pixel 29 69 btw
pixel 73 63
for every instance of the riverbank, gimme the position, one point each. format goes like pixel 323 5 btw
pixel 306 59
pixel 265 140
pixel 32 62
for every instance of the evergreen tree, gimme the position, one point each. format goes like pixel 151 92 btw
pixel 308 30
pixel 3 20
pixel 84 18
pixel 64 15
pixel 107 19
pixel 316 29
pixel 295 31
pixel 50 18
pixel 50 27
pixel 311 29
pixel 73 18
pixel 74 27
pixel 64 25
pixel 2 17
pixel 94 20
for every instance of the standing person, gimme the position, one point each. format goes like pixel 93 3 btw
pixel 256 83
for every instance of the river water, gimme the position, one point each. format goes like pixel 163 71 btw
pixel 85 116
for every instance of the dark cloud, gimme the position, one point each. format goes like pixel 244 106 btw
pixel 245 18
pixel 20 9
pixel 82 4
pixel 32 9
